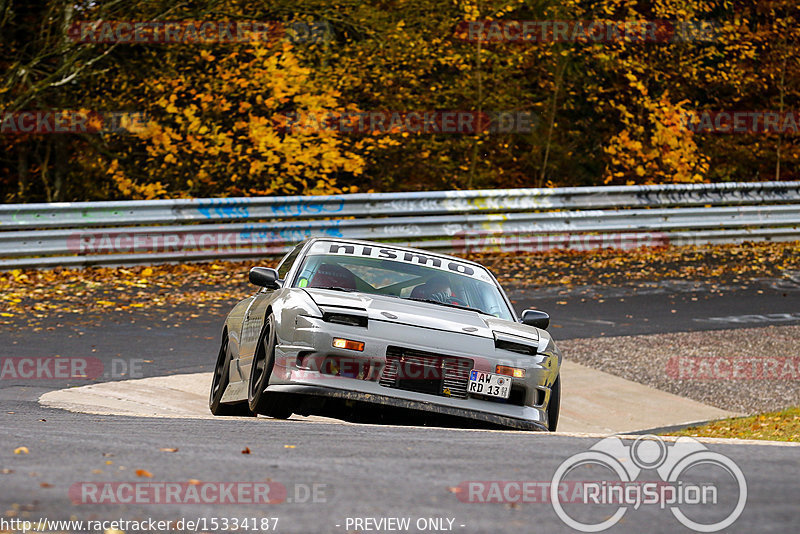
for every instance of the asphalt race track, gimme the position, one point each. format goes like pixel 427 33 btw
pixel 337 476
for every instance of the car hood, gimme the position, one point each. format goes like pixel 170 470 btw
pixel 423 314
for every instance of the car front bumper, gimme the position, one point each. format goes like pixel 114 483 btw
pixel 302 366
pixel 409 404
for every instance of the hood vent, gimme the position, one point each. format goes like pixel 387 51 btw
pixel 344 317
pixel 515 344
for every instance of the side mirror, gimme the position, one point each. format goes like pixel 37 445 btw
pixel 536 318
pixel 264 277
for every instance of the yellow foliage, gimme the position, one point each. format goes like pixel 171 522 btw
pixel 662 151
pixel 233 143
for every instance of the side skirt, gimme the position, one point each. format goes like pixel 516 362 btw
pixel 235 392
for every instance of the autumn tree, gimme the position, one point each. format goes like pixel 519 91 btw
pixel 610 111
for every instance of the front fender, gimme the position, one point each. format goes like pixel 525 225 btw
pixel 287 306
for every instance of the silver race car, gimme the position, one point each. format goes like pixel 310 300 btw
pixel 352 328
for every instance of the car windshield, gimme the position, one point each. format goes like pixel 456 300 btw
pixel 401 274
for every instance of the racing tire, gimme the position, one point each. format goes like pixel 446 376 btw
pixel 260 401
pixel 219 382
pixel 554 406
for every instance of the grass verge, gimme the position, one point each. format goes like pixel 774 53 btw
pixel 773 426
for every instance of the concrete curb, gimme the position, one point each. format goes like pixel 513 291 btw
pixel 594 403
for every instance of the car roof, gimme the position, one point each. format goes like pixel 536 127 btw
pixel 393 246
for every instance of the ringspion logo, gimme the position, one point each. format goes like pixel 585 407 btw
pixel 593 490
pixel 708 490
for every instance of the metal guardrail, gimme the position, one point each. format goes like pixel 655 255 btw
pixel 93 233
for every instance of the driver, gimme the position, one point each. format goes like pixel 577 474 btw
pixel 439 289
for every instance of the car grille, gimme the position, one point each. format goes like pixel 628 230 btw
pixel 426 372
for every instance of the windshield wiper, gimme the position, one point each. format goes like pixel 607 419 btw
pixel 449 305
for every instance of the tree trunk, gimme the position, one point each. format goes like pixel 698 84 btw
pixel 479 109
pixel 44 167
pixel 59 168
pixel 23 171
pixel 780 111
pixel 551 122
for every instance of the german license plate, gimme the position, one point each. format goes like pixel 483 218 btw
pixel 489 384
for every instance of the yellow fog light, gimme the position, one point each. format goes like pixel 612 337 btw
pixel 510 371
pixel 349 344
